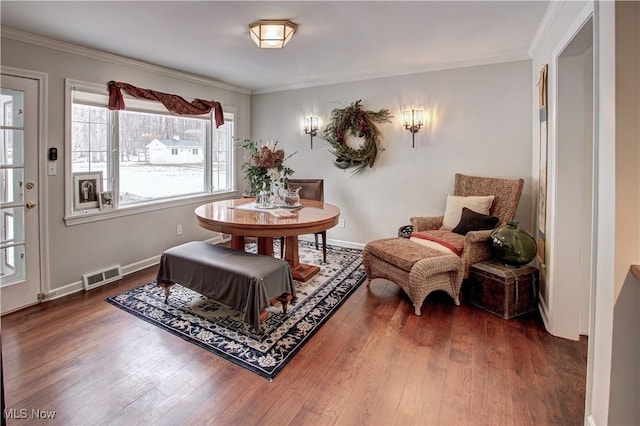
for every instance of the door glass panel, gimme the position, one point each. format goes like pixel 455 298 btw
pixel 11 186
pixel 11 226
pixel 12 147
pixel 12 263
pixel 12 235
pixel 12 102
pixel 12 246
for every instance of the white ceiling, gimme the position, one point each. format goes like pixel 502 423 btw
pixel 335 41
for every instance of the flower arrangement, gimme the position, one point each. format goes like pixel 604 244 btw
pixel 264 165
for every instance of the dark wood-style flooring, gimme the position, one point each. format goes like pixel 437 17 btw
pixel 373 362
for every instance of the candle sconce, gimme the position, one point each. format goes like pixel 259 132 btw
pixel 412 121
pixel 311 127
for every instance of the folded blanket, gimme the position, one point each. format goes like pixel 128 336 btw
pixel 435 243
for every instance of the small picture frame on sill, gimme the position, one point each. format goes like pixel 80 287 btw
pixel 86 189
pixel 105 200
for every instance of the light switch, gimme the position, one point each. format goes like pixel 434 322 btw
pixel 53 169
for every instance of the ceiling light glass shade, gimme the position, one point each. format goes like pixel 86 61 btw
pixel 272 34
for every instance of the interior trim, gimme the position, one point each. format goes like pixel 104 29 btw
pixel 108 57
pixel 545 25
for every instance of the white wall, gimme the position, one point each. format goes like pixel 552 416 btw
pixel 587 192
pixel 483 128
pixel 128 240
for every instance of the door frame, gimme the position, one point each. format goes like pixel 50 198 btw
pixel 562 310
pixel 43 211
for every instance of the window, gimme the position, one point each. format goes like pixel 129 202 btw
pixel 147 155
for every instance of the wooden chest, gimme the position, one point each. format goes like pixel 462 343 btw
pixel 504 291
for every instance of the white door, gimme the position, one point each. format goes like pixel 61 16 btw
pixel 19 223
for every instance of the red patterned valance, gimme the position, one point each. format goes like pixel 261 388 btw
pixel 174 103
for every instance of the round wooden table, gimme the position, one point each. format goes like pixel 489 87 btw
pixel 226 217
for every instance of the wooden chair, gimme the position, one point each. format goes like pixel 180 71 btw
pixel 310 189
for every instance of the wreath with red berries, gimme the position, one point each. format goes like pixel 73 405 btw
pixel 354 121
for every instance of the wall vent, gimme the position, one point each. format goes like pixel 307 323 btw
pixel 96 279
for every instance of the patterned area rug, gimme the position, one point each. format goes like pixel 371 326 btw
pixel 221 330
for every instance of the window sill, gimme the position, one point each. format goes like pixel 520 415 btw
pixel 95 215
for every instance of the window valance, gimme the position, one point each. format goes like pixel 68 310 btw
pixel 174 103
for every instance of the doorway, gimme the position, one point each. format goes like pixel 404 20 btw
pixel 573 197
pixel 20 260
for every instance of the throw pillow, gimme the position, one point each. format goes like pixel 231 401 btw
pixel 472 221
pixel 453 211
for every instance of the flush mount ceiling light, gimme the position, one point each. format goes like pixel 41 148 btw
pixel 269 34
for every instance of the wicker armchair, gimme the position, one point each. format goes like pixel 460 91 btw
pixel 475 247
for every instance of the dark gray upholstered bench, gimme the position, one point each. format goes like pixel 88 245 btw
pixel 243 281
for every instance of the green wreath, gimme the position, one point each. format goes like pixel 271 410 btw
pixel 353 121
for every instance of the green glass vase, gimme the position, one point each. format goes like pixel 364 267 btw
pixel 512 246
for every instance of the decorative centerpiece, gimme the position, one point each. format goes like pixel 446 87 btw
pixel 264 169
pixel 354 121
pixel 512 246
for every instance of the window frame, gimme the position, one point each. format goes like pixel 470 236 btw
pixel 91 215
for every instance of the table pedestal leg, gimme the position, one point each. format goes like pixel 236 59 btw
pixel 265 246
pixel 300 271
pixel 237 242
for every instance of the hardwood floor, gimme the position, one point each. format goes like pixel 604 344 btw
pixel 373 362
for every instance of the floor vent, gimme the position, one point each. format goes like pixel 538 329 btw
pixel 96 279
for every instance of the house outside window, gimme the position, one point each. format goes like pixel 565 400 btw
pixel 146 155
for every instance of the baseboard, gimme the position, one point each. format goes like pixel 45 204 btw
pixel 340 243
pixel 544 312
pixel 77 286
pixel 140 265
pixel 64 290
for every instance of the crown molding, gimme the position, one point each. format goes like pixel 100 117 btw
pixel 543 29
pixel 465 63
pixel 115 59
pixel 133 63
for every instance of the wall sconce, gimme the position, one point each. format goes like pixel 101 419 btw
pixel 412 121
pixel 311 127
pixel 269 34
